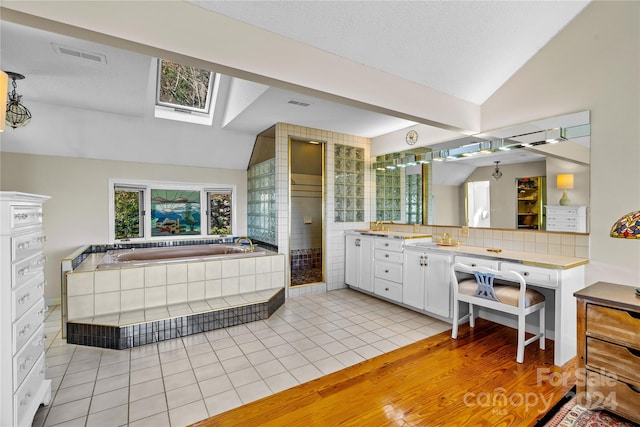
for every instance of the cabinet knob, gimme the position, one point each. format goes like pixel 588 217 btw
pixel 386 244
pixel 526 273
pixel 474 265
pixel 386 289
pixel 386 255
pixel 386 271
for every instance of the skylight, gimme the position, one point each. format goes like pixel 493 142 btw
pixel 184 93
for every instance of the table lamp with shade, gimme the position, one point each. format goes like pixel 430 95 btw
pixel 564 181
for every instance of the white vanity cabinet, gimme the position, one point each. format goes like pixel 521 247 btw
pixel 359 261
pixel 426 284
pixel 22 308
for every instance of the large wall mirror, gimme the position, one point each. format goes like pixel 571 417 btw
pixel 499 179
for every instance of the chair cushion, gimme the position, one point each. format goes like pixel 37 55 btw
pixel 507 294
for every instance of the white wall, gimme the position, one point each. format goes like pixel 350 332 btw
pixel 446 199
pixel 593 64
pixel 77 213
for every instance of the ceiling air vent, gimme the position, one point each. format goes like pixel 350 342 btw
pixel 81 54
pixel 299 103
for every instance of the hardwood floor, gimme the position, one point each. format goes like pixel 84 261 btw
pixel 471 381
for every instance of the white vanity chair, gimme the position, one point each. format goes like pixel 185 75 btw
pixel 512 297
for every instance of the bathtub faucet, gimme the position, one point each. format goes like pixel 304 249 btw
pixel 245 239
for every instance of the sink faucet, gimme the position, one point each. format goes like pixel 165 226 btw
pixel 446 237
pixel 245 239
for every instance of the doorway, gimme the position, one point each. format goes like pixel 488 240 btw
pixel 306 202
pixel 478 204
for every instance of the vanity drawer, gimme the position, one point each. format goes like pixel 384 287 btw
pixel 614 324
pixel 26 295
pixel 608 393
pixel 613 358
pixel 27 325
pixel 27 356
pixel 26 245
pixel 546 277
pixel 387 289
pixel 388 271
pixel 394 245
pixel 385 255
pixel 476 262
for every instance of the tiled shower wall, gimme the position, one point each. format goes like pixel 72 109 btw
pixel 334 232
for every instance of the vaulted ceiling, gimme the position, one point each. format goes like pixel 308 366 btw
pixel 82 108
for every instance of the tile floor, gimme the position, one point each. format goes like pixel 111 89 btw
pixel 181 381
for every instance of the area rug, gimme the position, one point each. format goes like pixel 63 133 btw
pixel 567 413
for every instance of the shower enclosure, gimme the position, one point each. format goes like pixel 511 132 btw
pixel 306 248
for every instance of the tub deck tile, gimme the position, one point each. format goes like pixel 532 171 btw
pixel 120 331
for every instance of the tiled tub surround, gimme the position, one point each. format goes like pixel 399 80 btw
pixel 135 328
pixel 173 288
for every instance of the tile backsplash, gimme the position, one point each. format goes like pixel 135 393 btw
pixel 540 242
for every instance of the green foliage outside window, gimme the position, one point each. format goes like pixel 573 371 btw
pixel 127 214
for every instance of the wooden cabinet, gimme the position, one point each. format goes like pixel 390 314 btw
pixel 426 284
pixel 531 197
pixel 359 262
pixel 608 318
pixel 22 308
pixel 566 218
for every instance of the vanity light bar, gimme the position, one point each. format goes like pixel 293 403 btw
pixel 531 139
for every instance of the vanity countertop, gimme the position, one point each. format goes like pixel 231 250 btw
pixel 390 234
pixel 526 258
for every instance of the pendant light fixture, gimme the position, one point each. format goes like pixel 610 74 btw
pixel 17 115
pixel 496 173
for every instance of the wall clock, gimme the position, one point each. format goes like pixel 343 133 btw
pixel 412 137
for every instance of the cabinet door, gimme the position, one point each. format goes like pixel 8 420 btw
pixel 359 262
pixel 437 298
pixel 352 253
pixel 413 281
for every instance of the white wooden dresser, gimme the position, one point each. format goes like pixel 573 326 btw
pixel 23 386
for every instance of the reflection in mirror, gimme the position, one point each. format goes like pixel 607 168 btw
pixel 446 183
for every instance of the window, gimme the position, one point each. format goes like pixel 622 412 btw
pixel 219 212
pixel 174 210
pixel 129 213
pixel 185 93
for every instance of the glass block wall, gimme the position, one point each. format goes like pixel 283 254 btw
pixel 388 190
pixel 413 185
pixel 261 202
pixel 349 183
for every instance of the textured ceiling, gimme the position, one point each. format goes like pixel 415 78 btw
pixel 466 49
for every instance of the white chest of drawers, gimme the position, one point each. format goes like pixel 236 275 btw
pixel 567 218
pixel 22 308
